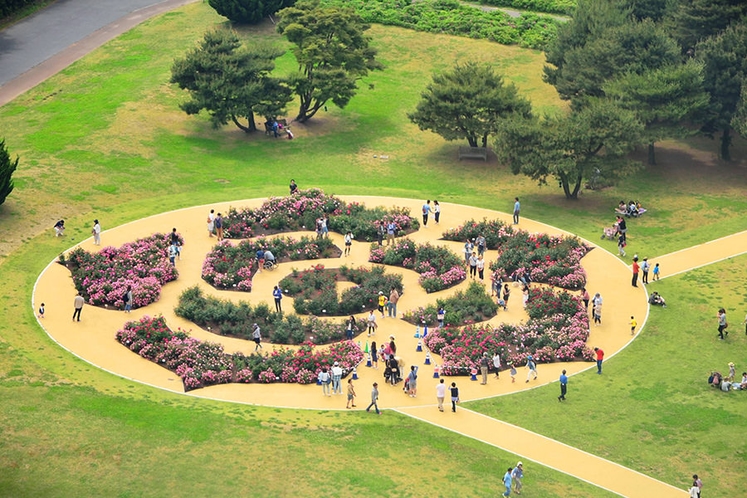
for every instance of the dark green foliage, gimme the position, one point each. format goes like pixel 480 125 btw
pixel 725 60
pixel 9 7
pixel 464 307
pixel 451 17
pixel 495 232
pixel 230 81
pixel 468 102
pixel 571 148
pixel 248 11
pixel 565 7
pixel 332 53
pixel 696 20
pixel 7 168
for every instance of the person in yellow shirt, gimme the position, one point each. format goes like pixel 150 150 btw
pixel 382 303
pixel 633 325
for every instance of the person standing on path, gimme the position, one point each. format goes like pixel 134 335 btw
pixel 441 317
pixel 507 481
pixel 426 211
pixel 349 327
pixel 96 231
pixel 481 244
pixel 633 325
pixel 657 271
pixel 621 243
pixel 722 324
pixel 382 303
pixel 469 247
pixel 585 298
pixel 480 268
pixel 506 294
pixel 374 399
pixel 78 303
pixel 176 242
pixel 532 367
pixel 441 394
pixel 211 222
pixel 517 475
pixel 374 355
pixel 412 381
pixel 277 293
pixel 497 364
pixel 336 378
pixel 391 228
pixel 325 379
pixel 257 337
pixel 636 268
pixel 473 265
pixel 600 357
pixel 697 483
pixel 351 394
pixel 563 386
pixel 348 243
pixel 454 396
pixel 219 227
pixel 645 267
pixel 436 211
pixel 517 210
pixel 128 300
pixel 371 323
pixel 484 367
pixel 392 304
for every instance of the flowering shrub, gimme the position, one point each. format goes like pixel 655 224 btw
pixel 229 266
pixel 495 232
pixel 201 364
pixel 549 259
pixel 464 307
pixel 439 268
pixel 103 278
pixel 226 318
pixel 556 331
pixel 300 212
pixel 315 292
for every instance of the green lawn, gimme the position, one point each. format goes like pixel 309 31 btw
pixel 106 139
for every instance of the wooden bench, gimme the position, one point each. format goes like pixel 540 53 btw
pixel 268 127
pixel 473 153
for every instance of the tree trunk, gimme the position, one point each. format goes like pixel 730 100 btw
pixel 485 141
pixel 564 183
pixel 651 154
pixel 472 140
pixel 725 144
pixel 577 187
pixel 304 109
pixel 251 125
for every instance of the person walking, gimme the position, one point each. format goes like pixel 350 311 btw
pixel 436 212
pixel 454 396
pixel 563 386
pixel 257 337
pixel 517 475
pixel 78 303
pixel 469 247
pixel 374 355
pixel 506 295
pixel 621 243
pixel 484 367
pixel 517 210
pixel 585 298
pixel 600 357
pixel 497 364
pixel 426 211
pixel 382 303
pixel 211 222
pixel 697 483
pixel 325 379
pixel 597 313
pixel 722 324
pixel 473 265
pixel 219 226
pixel 277 293
pixel 645 267
pixel 392 303
pixel 349 327
pixel 636 269
pixel 96 231
pixel 507 481
pixel 348 242
pixel 481 244
pixel 374 399
pixel 633 325
pixel 128 300
pixel 351 394
pixel 412 381
pixel 371 320
pixel 441 394
pixel 336 378
pixel 441 317
pixel 657 272
pixel 532 368
pixel 480 268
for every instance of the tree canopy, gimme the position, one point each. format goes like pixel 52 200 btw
pixel 696 20
pixel 468 102
pixel 7 168
pixel 332 51
pixel 248 11
pixel 231 82
pixel 592 141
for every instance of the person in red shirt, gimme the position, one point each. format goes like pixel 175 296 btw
pixel 600 357
pixel 636 268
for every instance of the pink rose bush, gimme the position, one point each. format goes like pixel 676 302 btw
pixel 201 363
pixel 556 331
pixel 104 277
pixel 439 268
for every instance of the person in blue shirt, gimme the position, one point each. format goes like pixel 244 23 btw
pixel 517 209
pixel 507 479
pixel 391 228
pixel 517 475
pixel 426 211
pixel 277 293
pixel 563 386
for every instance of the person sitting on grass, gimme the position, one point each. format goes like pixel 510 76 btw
pixel 714 379
pixel 743 384
pixel 656 300
pixel 59 228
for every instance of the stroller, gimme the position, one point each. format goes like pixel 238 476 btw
pixel 610 233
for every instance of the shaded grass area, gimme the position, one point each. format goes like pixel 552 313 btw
pixel 651 409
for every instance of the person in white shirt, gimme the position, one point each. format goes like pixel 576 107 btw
pixel 96 231
pixel 336 377
pixel 441 395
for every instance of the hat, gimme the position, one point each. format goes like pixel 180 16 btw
pixel 381 293
pixel 519 464
pixel 529 357
pixel 335 364
pixel 485 353
pixel 731 363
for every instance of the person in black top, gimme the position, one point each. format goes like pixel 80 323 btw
pixel 454 396
pixel 622 227
pixel 293 187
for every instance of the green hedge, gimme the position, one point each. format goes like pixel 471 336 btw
pixel 452 18
pixel 564 7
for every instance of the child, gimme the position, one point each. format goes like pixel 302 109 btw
pixel 513 373
pixel 656 272
pixel 351 394
pixel 172 254
pixel 621 245
pixel 374 355
pixel 633 325
pixel 454 396
pixel 502 303
pixel 41 311
pixel 441 316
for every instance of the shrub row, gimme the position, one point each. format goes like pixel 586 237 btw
pixel 564 7
pixel 464 307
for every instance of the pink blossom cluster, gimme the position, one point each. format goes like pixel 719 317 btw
pixel 104 277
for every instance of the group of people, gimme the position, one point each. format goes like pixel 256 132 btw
pixel 427 210
pixel 728 382
pixel 512 479
pixel 631 209
pixel 215 225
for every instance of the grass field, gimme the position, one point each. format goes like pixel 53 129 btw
pixel 106 139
